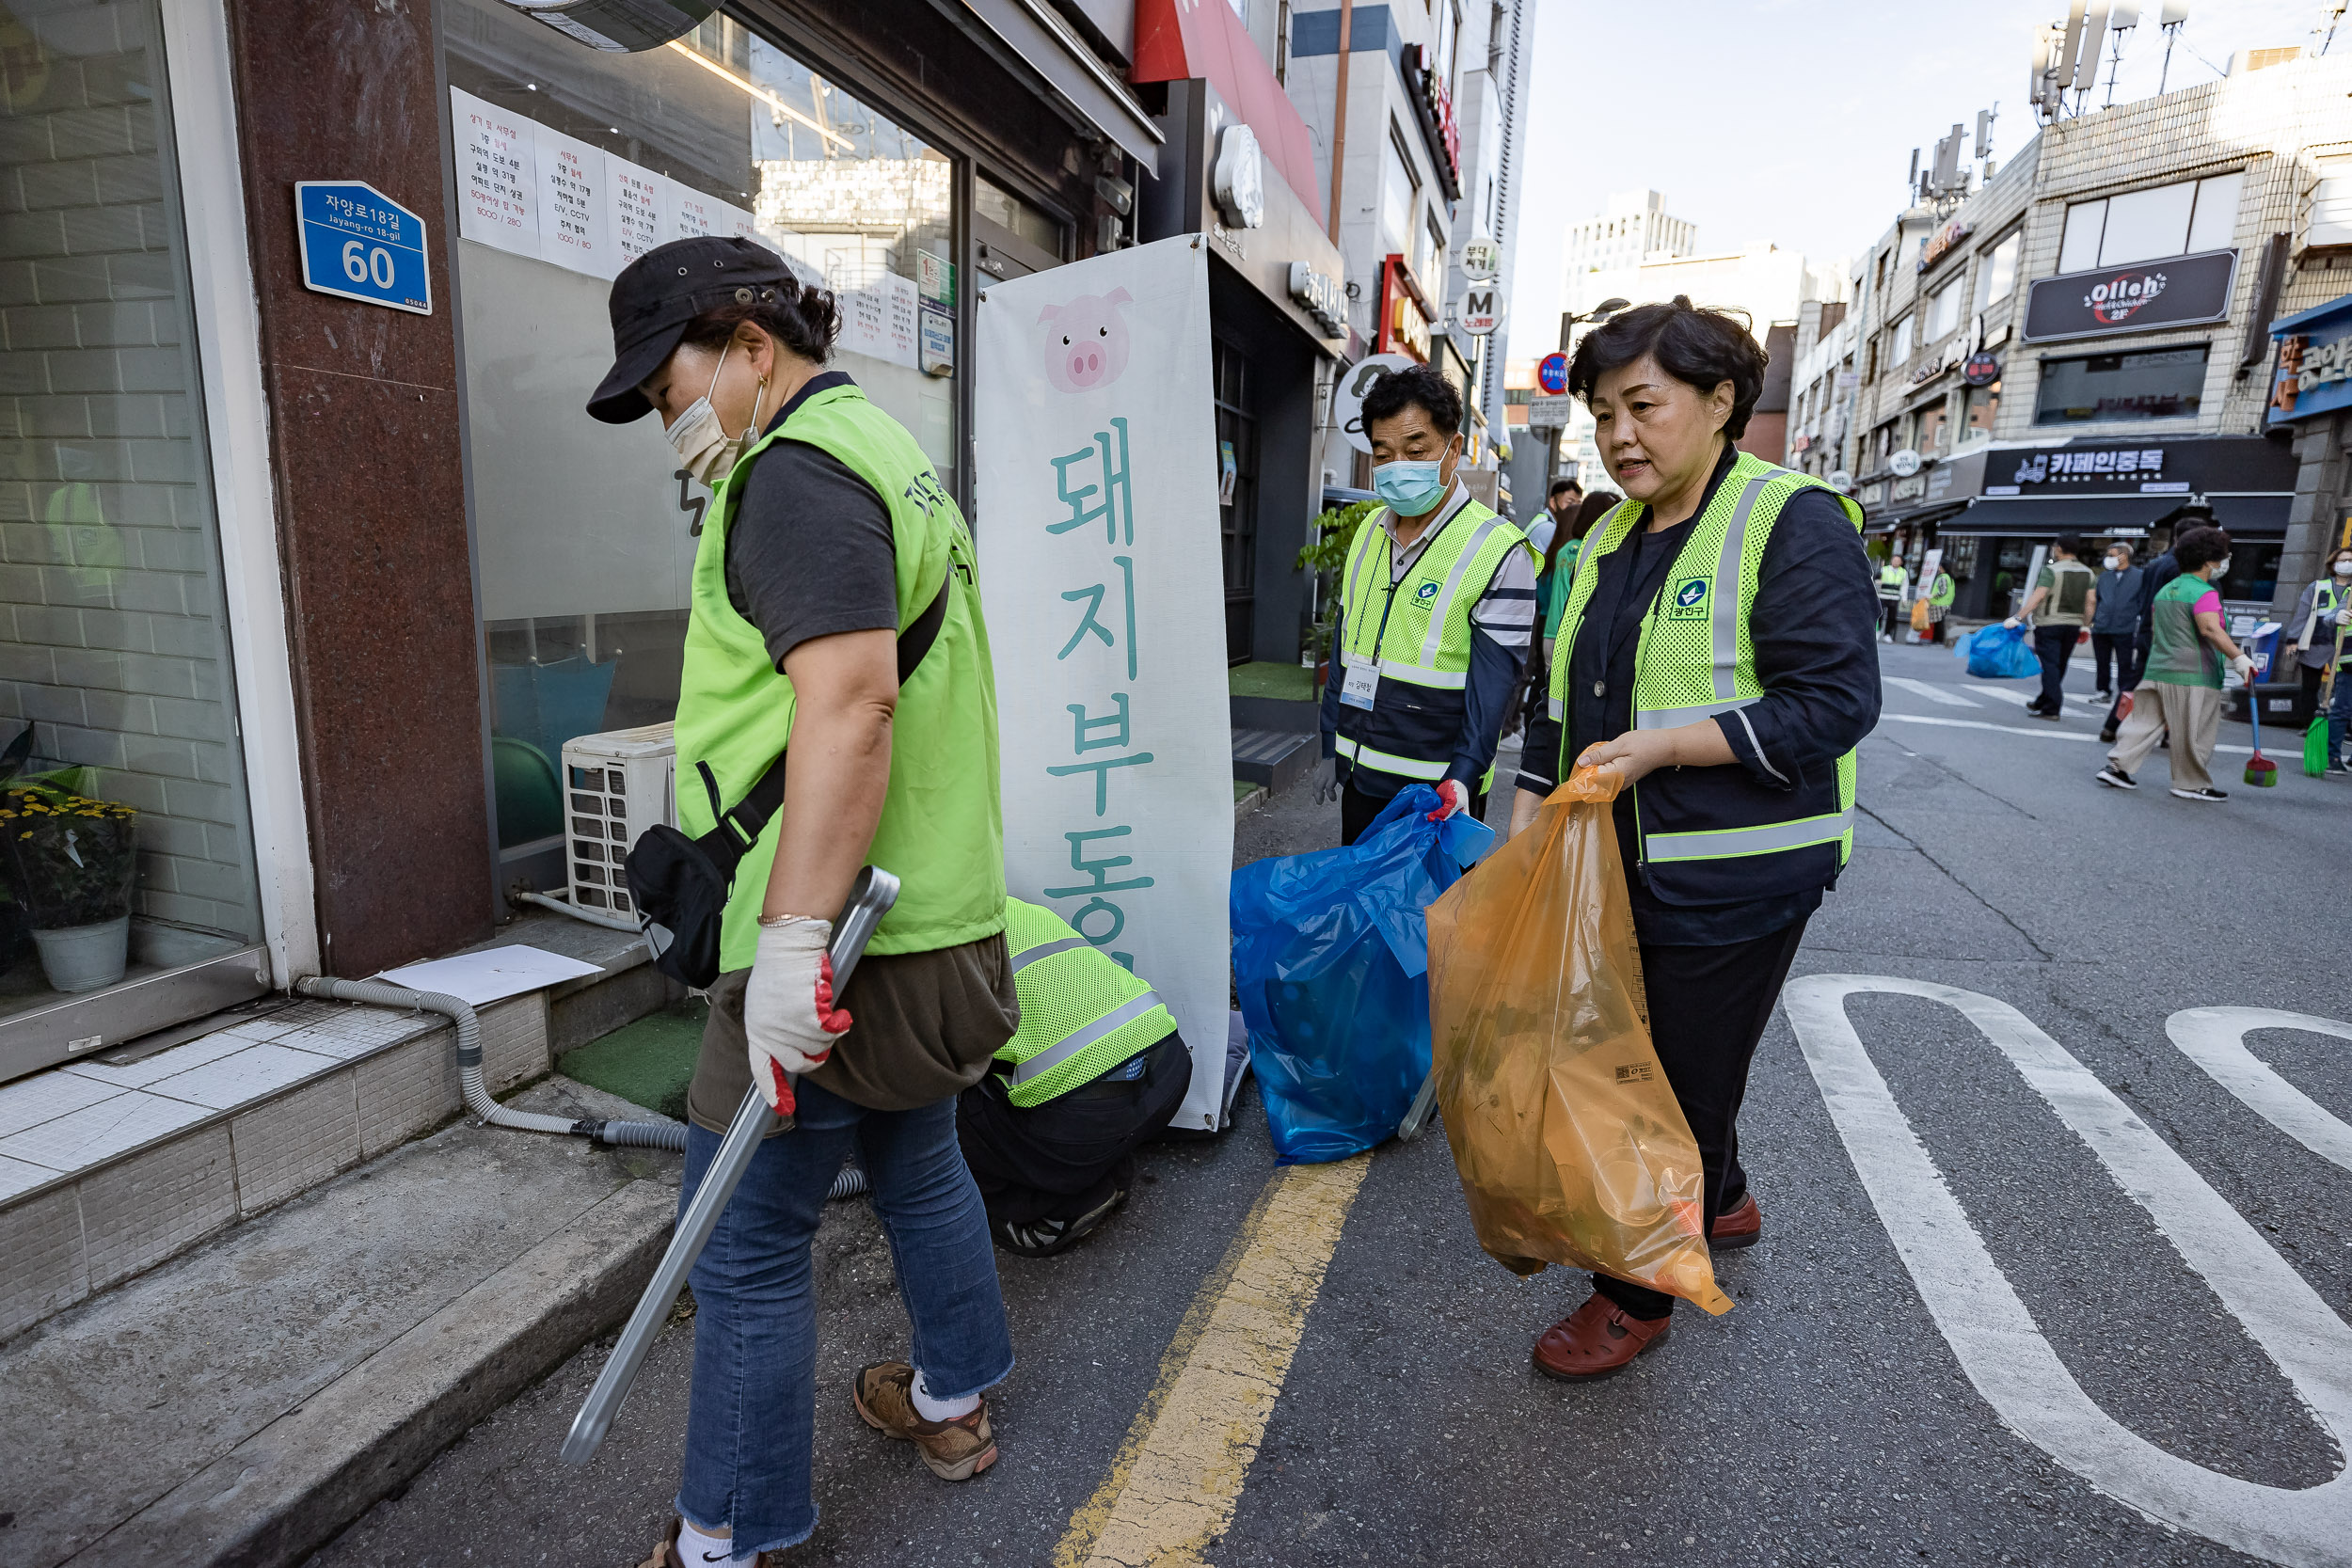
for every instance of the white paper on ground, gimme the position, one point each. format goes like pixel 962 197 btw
pixel 492 975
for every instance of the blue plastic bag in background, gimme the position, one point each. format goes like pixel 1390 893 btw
pixel 1331 962
pixel 1997 653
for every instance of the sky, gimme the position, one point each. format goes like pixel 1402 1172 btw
pixel 1792 120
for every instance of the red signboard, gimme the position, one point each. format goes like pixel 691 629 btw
pixel 1179 40
pixel 1403 325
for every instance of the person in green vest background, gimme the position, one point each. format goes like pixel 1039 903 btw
pixel 2319 625
pixel 1436 604
pixel 1719 653
pixel 1894 582
pixel 833 606
pixel 1939 597
pixel 1095 1068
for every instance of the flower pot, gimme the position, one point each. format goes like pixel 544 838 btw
pixel 84 957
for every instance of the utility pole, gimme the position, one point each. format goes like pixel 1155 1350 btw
pixel 1339 118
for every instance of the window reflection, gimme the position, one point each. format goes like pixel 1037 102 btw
pixel 586 533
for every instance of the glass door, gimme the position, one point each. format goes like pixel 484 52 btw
pixel 126 850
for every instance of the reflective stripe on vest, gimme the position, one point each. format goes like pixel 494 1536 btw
pixel 1360 755
pixel 1102 1028
pixel 1725 843
pixel 1047 950
pixel 1725 616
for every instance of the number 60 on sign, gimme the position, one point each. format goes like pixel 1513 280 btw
pixel 359 244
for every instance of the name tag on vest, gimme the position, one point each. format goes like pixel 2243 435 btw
pixel 1360 682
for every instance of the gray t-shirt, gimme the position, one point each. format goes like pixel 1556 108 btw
pixel 811 551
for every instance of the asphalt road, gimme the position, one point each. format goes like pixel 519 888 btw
pixel 1830 1418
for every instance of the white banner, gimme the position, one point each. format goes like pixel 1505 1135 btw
pixel 1102 572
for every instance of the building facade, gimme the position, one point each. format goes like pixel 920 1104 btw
pixel 2111 373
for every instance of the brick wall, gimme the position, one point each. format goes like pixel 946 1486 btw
pixel 111 635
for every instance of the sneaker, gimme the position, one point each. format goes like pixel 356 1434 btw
pixel 2207 794
pixel 2106 734
pixel 2341 764
pixel 666 1555
pixel 2102 696
pixel 2051 714
pixel 954 1450
pixel 2115 778
pixel 1044 1238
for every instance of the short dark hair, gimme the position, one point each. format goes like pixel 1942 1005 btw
pixel 2197 547
pixel 801 316
pixel 1419 386
pixel 2070 543
pixel 1700 348
pixel 1560 484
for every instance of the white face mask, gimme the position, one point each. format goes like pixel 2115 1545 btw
pixel 2343 566
pixel 2220 569
pixel 703 447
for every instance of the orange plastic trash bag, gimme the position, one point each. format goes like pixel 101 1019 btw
pixel 1567 1139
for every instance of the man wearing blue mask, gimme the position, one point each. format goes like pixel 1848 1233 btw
pixel 1437 602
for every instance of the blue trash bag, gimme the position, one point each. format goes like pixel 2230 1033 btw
pixel 1331 962
pixel 1998 653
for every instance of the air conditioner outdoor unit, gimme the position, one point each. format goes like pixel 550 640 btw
pixel 616 786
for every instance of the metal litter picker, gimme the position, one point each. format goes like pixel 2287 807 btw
pixel 870 898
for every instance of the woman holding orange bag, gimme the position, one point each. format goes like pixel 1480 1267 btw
pixel 1719 652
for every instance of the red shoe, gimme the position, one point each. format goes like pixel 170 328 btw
pixel 1597 1340
pixel 1737 1226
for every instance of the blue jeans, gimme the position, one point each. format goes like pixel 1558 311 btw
pixel 752 1412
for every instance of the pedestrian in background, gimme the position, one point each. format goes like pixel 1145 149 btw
pixel 1769 762
pixel 1940 597
pixel 2063 600
pixel 1437 606
pixel 1894 582
pixel 831 609
pixel 2153 577
pixel 1552 585
pixel 2321 615
pixel 2114 625
pixel 1559 507
pixel 2186 657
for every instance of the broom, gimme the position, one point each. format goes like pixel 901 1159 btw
pixel 2261 771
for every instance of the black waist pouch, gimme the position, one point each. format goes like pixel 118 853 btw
pixel 682 885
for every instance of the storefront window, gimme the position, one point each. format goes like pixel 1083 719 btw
pixel 2160 383
pixel 571 163
pixel 1983 402
pixel 125 845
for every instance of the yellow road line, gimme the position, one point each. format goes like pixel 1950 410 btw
pixel 1171 1489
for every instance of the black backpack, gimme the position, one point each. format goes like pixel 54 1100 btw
pixel 681 884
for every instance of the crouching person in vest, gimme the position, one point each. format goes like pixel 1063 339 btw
pixel 1095 1068
pixel 1437 603
pixel 1719 652
pixel 833 608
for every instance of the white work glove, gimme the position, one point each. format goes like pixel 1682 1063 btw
pixel 790 1020
pixel 2010 624
pixel 2244 665
pixel 1453 795
pixel 1328 785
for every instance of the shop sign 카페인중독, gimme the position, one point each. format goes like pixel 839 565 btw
pixel 1094 423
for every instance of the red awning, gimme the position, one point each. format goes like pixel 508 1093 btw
pixel 1179 40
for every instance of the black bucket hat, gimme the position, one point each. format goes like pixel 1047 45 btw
pixel 657 294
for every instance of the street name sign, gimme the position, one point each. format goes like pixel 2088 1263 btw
pixel 359 244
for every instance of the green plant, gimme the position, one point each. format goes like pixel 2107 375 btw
pixel 1334 535
pixel 71 860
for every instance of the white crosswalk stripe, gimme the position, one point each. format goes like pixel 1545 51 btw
pixel 1998 1344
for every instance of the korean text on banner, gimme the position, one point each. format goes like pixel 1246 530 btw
pixel 1101 574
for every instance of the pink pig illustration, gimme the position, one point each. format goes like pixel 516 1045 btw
pixel 1093 348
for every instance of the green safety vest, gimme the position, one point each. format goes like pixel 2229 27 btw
pixel 1081 1013
pixel 1945 592
pixel 1417 633
pixel 942 830
pixel 1891 576
pixel 1708 836
pixel 2325 601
